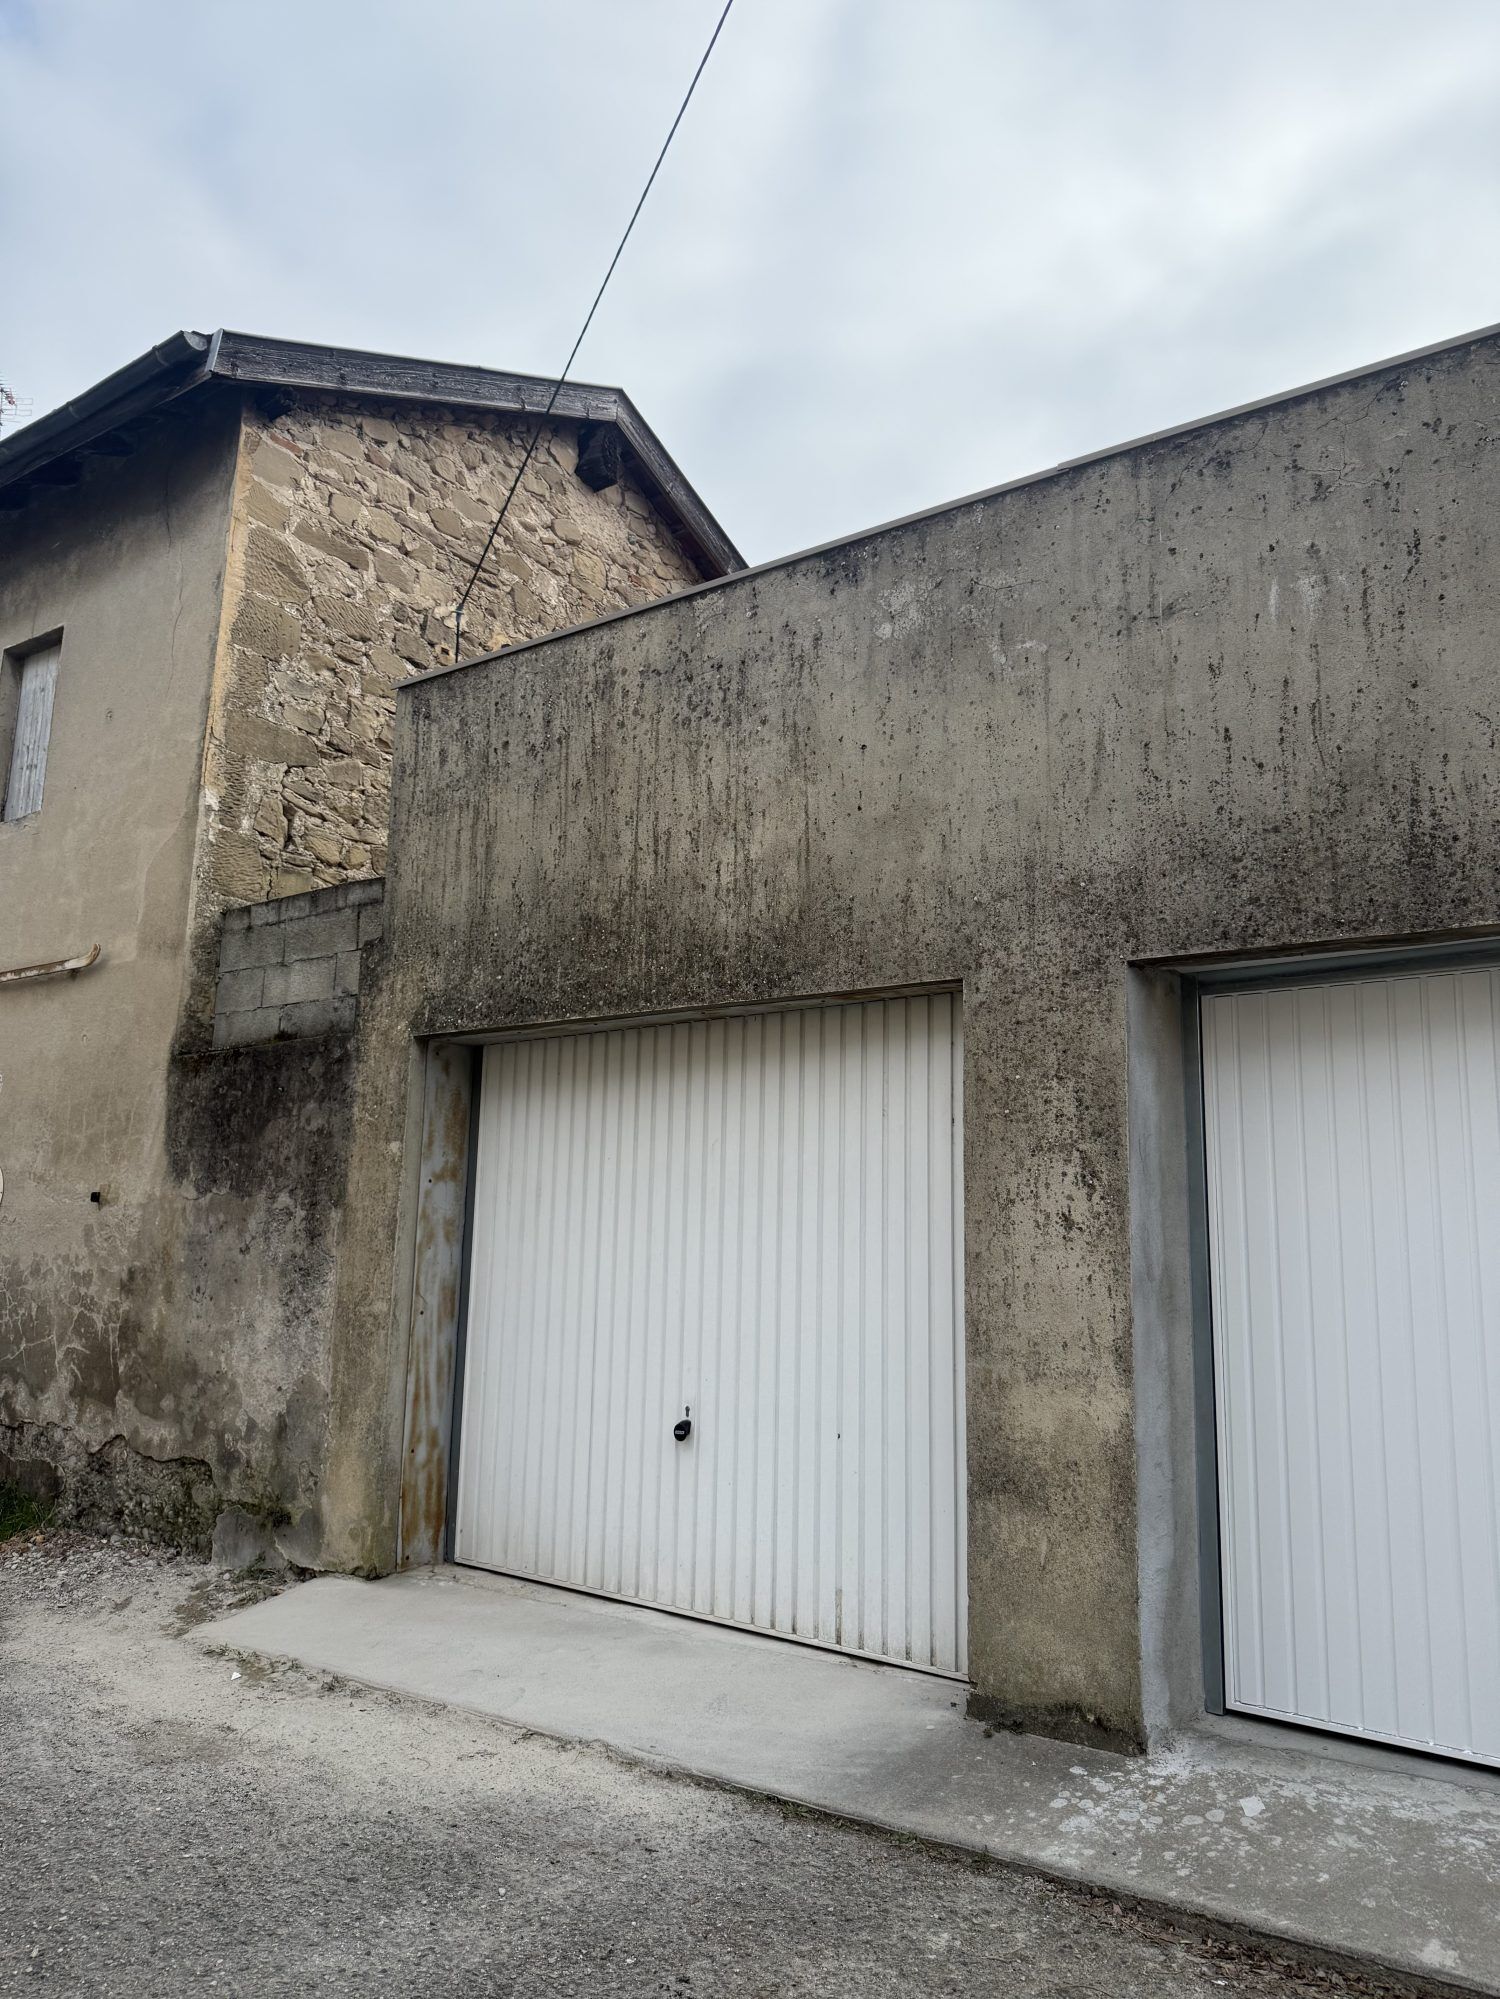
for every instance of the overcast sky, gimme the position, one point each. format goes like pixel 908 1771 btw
pixel 902 249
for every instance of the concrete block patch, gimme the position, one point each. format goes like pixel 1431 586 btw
pixel 239 991
pixel 307 1017
pixel 319 1016
pixel 306 979
pixel 292 967
pixel 322 935
pixel 244 1030
pixel 240 949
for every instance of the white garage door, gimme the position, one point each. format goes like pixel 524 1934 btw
pixel 1353 1144
pixel 753 1225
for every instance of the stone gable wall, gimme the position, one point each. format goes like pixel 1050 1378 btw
pixel 355 528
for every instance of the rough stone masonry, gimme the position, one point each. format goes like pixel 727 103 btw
pixel 355 531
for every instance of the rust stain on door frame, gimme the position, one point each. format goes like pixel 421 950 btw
pixel 449 1112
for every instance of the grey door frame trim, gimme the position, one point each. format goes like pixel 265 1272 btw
pixel 461 1331
pixel 1205 1425
pixel 1198 981
pixel 555 1030
pixel 1331 967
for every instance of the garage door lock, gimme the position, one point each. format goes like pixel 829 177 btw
pixel 682 1429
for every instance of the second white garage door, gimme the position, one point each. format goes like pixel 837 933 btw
pixel 1353 1141
pixel 752 1226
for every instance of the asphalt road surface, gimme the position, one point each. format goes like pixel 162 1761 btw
pixel 174 1822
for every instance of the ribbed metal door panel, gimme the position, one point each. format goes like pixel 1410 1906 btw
pixel 1353 1146
pixel 758 1218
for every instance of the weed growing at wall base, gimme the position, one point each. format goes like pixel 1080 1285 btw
pixel 20 1513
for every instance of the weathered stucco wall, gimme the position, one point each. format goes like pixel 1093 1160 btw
pixel 356 528
pixel 129 564
pixel 164 1346
pixel 1226 692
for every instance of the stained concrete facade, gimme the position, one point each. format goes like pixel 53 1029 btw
pixel 1231 691
pixel 242 563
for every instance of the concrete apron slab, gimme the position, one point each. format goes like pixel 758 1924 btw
pixel 1396 1868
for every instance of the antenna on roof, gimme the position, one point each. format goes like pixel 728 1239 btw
pixel 14 410
pixel 557 386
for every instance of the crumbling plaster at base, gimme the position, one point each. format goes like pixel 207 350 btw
pixel 112 1486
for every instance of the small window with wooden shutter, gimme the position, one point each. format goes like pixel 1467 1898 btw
pixel 33 676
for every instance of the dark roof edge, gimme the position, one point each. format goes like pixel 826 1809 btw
pixel 1174 431
pixel 178 363
pixel 188 359
pixel 354 371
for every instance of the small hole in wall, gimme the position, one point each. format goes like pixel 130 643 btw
pixel 97 1196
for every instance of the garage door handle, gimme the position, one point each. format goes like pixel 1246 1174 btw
pixel 682 1429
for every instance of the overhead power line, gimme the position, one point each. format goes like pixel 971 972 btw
pixel 458 609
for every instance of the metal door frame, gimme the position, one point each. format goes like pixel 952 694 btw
pixel 461 1328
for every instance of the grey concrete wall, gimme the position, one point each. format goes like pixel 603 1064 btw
pixel 1227 692
pixel 292 967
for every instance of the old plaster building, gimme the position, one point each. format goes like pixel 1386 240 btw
pixel 216 568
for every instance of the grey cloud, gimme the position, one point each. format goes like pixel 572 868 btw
pixel 901 250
